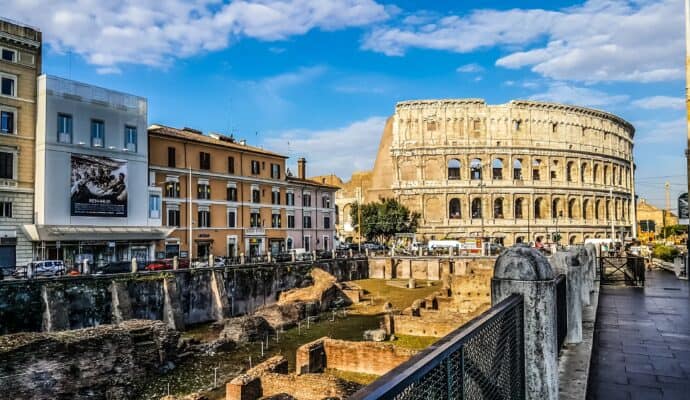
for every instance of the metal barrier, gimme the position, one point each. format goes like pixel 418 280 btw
pixel 483 359
pixel 627 269
pixel 561 310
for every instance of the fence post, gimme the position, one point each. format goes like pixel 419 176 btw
pixel 134 264
pixel 525 271
pixel 176 263
pixel 568 263
pixel 241 258
pixel 350 252
pixel 210 260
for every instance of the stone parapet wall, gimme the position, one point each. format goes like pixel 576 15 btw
pixel 426 267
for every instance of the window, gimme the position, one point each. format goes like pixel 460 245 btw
pixel 154 207
pixel 326 222
pixel 275 171
pixel 172 189
pixel 204 218
pixel 203 191
pixel 131 138
pixel 497 169
pixel 275 197
pixel 537 208
pixel 453 169
pixel 256 195
pixel 173 217
pixel 204 160
pixel 326 202
pixel 9 55
pixel 171 157
pixel 231 165
pixel 307 221
pixel 232 193
pixel 307 243
pixel 518 208
pixel 232 218
pixel 275 220
pixel 476 169
pixel 454 209
pixel 555 208
pixel 8 85
pixel 6 165
pixel 5 209
pixel 64 128
pixel 517 169
pixel 290 198
pixel 476 208
pixel 6 121
pixel 256 169
pixel 536 165
pixel 291 221
pixel 498 208
pixel 306 200
pixel 255 219
pixel 97 133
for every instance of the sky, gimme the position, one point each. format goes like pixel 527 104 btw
pixel 318 78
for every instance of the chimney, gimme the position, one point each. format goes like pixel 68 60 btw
pixel 301 168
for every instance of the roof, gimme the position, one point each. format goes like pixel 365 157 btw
pixel 309 182
pixel 197 136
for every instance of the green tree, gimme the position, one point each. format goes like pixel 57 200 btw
pixel 382 220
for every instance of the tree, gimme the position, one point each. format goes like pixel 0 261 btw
pixel 382 220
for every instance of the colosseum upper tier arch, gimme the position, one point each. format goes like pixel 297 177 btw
pixel 524 169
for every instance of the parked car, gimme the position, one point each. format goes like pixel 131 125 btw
pixel 283 257
pixel 41 268
pixel 115 267
pixel 164 264
pixel 5 271
pixel 373 246
pixel 323 254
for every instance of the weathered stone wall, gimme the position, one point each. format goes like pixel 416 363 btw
pixel 177 297
pixel 104 362
pixel 425 268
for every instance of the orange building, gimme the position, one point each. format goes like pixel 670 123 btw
pixel 234 188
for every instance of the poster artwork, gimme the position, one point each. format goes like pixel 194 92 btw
pixel 98 186
pixel 683 206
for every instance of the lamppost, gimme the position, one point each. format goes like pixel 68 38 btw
pixel 481 208
pixel 556 235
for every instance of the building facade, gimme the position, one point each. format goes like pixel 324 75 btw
pixel 92 197
pixel 228 199
pixel 651 220
pixel 523 170
pixel 20 65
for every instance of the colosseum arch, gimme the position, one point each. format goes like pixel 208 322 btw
pixel 583 172
pixel 556 208
pixel 539 208
pixel 595 174
pixel 586 212
pixel 476 169
pixel 454 209
pixel 573 209
pixel 517 169
pixel 598 212
pixel 497 169
pixel 605 181
pixel 536 169
pixel 555 169
pixel 498 208
pixel 519 211
pixel 570 171
pixel 572 240
pixel 476 208
pixel 608 210
pixel 454 169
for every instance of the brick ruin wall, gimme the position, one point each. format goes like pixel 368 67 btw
pixel 425 268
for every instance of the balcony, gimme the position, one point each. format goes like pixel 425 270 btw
pixel 256 231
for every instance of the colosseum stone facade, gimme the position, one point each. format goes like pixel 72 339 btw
pixel 524 169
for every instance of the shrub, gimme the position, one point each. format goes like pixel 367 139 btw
pixel 666 253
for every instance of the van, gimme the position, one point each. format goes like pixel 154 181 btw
pixel 41 268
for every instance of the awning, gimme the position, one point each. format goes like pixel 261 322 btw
pixel 38 233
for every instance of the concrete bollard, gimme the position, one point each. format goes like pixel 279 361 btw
pixel 313 255
pixel 210 260
pixel 411 283
pixel 134 264
pixel 269 256
pixel 176 263
pixel 567 263
pixel 333 255
pixel 523 270
pixel 241 258
pixel 584 263
pixel 366 252
pixel 592 267
pixel 350 252
pixel 85 267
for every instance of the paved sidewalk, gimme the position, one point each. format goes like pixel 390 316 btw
pixel 642 341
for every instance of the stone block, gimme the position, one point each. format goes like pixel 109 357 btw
pixel 375 335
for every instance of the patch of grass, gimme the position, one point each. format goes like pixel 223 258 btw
pixel 398 295
pixel 356 377
pixel 414 342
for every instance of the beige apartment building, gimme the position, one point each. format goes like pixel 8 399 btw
pixel 20 65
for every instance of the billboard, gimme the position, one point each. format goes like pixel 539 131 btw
pixel 98 186
pixel 683 207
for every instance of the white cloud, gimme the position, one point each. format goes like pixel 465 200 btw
pixel 357 144
pixel 108 33
pixel 667 132
pixel 660 102
pixel 560 92
pixel 601 40
pixel 271 90
pixel 470 68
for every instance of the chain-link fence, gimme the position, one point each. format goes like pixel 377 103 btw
pixel 484 359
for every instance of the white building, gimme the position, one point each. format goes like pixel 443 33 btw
pixel 92 197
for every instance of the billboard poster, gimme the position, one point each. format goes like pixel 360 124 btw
pixel 98 186
pixel 683 206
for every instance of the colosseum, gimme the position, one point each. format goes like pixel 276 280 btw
pixel 521 170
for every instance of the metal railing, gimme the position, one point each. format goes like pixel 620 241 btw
pixel 561 310
pixel 482 359
pixel 627 269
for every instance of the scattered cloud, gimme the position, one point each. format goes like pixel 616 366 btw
pixel 600 40
pixel 470 68
pixel 271 90
pixel 660 102
pixel 666 131
pixel 277 50
pixel 155 33
pixel 357 144
pixel 560 92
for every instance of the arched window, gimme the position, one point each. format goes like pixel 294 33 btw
pixel 606 174
pixel 595 174
pixel 498 208
pixel 585 210
pixel 556 210
pixel 583 172
pixel 554 170
pixel 608 210
pixel 570 171
pixel 597 209
pixel 477 208
pixel 517 169
pixel 538 204
pixel 476 169
pixel 453 169
pixel 572 208
pixel 536 167
pixel 572 240
pixel 454 209
pixel 518 208
pixel 497 169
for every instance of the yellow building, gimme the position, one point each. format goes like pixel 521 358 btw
pixel 651 220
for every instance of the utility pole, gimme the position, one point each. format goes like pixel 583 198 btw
pixel 667 208
pixel 189 214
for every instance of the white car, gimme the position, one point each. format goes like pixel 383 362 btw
pixel 47 267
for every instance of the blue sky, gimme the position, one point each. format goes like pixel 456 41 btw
pixel 318 78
